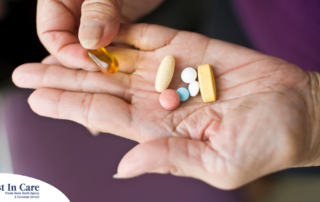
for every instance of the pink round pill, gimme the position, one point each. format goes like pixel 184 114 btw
pixel 169 99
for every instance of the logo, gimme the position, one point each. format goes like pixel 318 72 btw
pixel 21 188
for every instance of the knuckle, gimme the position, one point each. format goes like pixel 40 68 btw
pixel 109 10
pixel 86 107
pixel 81 77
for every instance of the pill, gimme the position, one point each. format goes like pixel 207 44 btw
pixel 188 75
pixel 169 99
pixel 207 83
pixel 165 73
pixel 194 88
pixel 183 94
pixel 106 62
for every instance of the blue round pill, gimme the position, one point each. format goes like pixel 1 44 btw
pixel 183 94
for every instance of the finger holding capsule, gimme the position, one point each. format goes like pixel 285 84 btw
pixel 106 62
pixel 129 60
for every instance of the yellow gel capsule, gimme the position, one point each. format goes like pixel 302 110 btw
pixel 107 63
pixel 207 83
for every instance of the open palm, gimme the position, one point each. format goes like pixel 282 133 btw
pixel 259 124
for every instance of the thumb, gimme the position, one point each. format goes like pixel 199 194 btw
pixel 100 22
pixel 181 157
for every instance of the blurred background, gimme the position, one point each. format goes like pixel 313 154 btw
pixel 213 18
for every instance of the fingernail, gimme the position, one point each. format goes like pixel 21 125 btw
pixel 93 132
pixel 117 176
pixel 91 34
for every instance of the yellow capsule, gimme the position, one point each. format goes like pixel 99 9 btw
pixel 107 63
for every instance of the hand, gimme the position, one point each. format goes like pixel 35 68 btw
pixel 60 22
pixel 264 119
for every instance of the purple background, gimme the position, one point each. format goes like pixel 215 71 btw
pixel 288 29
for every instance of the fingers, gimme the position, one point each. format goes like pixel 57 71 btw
pixel 100 22
pixel 172 157
pixel 57 27
pixel 129 59
pixel 36 75
pixel 50 60
pixel 182 157
pixel 99 112
pixel 144 36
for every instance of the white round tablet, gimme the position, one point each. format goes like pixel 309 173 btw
pixel 188 75
pixel 194 88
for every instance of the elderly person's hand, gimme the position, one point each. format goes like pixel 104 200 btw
pixel 265 119
pixel 61 23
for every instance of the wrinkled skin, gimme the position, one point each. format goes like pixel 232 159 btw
pixel 263 119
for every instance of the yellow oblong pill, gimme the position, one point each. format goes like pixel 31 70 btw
pixel 207 83
pixel 165 73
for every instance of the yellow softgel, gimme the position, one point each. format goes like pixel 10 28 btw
pixel 207 83
pixel 106 62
